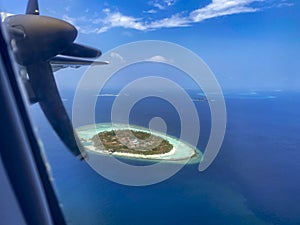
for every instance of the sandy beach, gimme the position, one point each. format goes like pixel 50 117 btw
pixel 180 152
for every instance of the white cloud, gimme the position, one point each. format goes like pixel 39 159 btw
pixel 150 11
pixel 174 21
pixel 221 8
pixel 102 29
pixel 119 20
pixel 161 4
pixel 116 19
pixel 159 58
pixel 69 19
pixel 117 56
pixel 169 2
pixel 77 22
pixel 285 4
pixel 214 9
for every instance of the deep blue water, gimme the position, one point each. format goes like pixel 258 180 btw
pixel 255 178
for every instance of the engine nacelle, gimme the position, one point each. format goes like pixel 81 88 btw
pixel 39 38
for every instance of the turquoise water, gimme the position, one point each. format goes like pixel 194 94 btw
pixel 182 152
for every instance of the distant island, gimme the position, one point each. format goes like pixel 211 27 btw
pixel 131 141
pixel 135 142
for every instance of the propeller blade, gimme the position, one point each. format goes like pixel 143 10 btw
pixel 77 50
pixel 46 92
pixel 32 7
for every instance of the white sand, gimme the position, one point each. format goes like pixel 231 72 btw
pixel 180 152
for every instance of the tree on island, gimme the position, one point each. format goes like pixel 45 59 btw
pixel 131 141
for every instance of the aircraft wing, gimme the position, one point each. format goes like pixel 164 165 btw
pixel 61 62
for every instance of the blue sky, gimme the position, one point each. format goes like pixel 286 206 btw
pixel 249 44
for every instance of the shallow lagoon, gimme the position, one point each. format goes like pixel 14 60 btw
pixel 180 153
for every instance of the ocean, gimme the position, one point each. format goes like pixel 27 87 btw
pixel 255 178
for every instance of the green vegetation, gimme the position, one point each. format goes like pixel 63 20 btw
pixel 130 141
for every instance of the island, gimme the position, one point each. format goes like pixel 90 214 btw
pixel 131 141
pixel 135 142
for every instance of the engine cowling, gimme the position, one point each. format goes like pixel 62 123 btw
pixel 43 37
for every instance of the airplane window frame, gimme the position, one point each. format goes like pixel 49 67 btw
pixel 20 152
